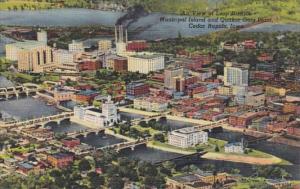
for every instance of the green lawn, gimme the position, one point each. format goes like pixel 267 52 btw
pixel 151 131
pixel 165 145
pixel 4 156
pixel 247 183
pixel 24 5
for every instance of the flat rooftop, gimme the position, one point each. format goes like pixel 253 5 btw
pixel 28 44
pixel 147 56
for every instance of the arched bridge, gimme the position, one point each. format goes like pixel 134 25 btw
pixel 26 89
pixel 125 145
pixel 40 121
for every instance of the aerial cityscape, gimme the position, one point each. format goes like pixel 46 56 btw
pixel 134 94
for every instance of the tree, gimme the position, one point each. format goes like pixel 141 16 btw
pixel 98 75
pixel 116 183
pixel 84 165
pixel 143 124
pixel 159 137
pixel 217 149
pixel 96 180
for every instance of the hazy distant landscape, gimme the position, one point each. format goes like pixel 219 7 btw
pixel 277 10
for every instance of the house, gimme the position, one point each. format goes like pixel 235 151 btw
pixel 237 147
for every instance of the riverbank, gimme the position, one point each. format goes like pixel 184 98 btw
pixel 244 158
pixel 169 148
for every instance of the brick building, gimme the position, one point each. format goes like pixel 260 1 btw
pixel 85 97
pixel 71 142
pixel 120 64
pixel 60 160
pixel 89 65
pixel 136 46
pixel 137 89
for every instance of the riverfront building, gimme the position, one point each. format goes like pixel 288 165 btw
pixel 32 56
pixel 187 137
pixel 97 118
pixel 151 104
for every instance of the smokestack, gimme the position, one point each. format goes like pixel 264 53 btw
pixel 122 34
pixel 126 36
pixel 119 33
pixel 116 34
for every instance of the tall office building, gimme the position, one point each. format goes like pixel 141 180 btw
pixel 42 36
pixel 34 57
pixel 104 45
pixel 31 56
pixel 236 74
pixel 76 46
pixel 170 74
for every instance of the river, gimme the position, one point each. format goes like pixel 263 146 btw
pixel 26 108
pixel 148 27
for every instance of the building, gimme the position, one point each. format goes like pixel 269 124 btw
pixel 109 111
pixel 62 95
pixel 255 99
pixel 241 119
pixel 120 64
pixel 42 36
pixel 34 57
pixel 150 104
pixel 235 74
pixel 31 55
pixel 71 142
pixel 197 180
pixel 104 45
pixel 250 44
pixel 275 90
pixel 262 75
pixel 136 46
pixel 76 46
pixel 187 137
pixel 294 130
pixel 170 74
pixel 64 56
pixel 65 60
pixel 237 147
pixel 145 63
pixel 85 97
pixel 279 184
pixel 225 90
pixel 95 117
pixel 137 89
pixel 60 160
pixel 293 97
pixel 89 65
